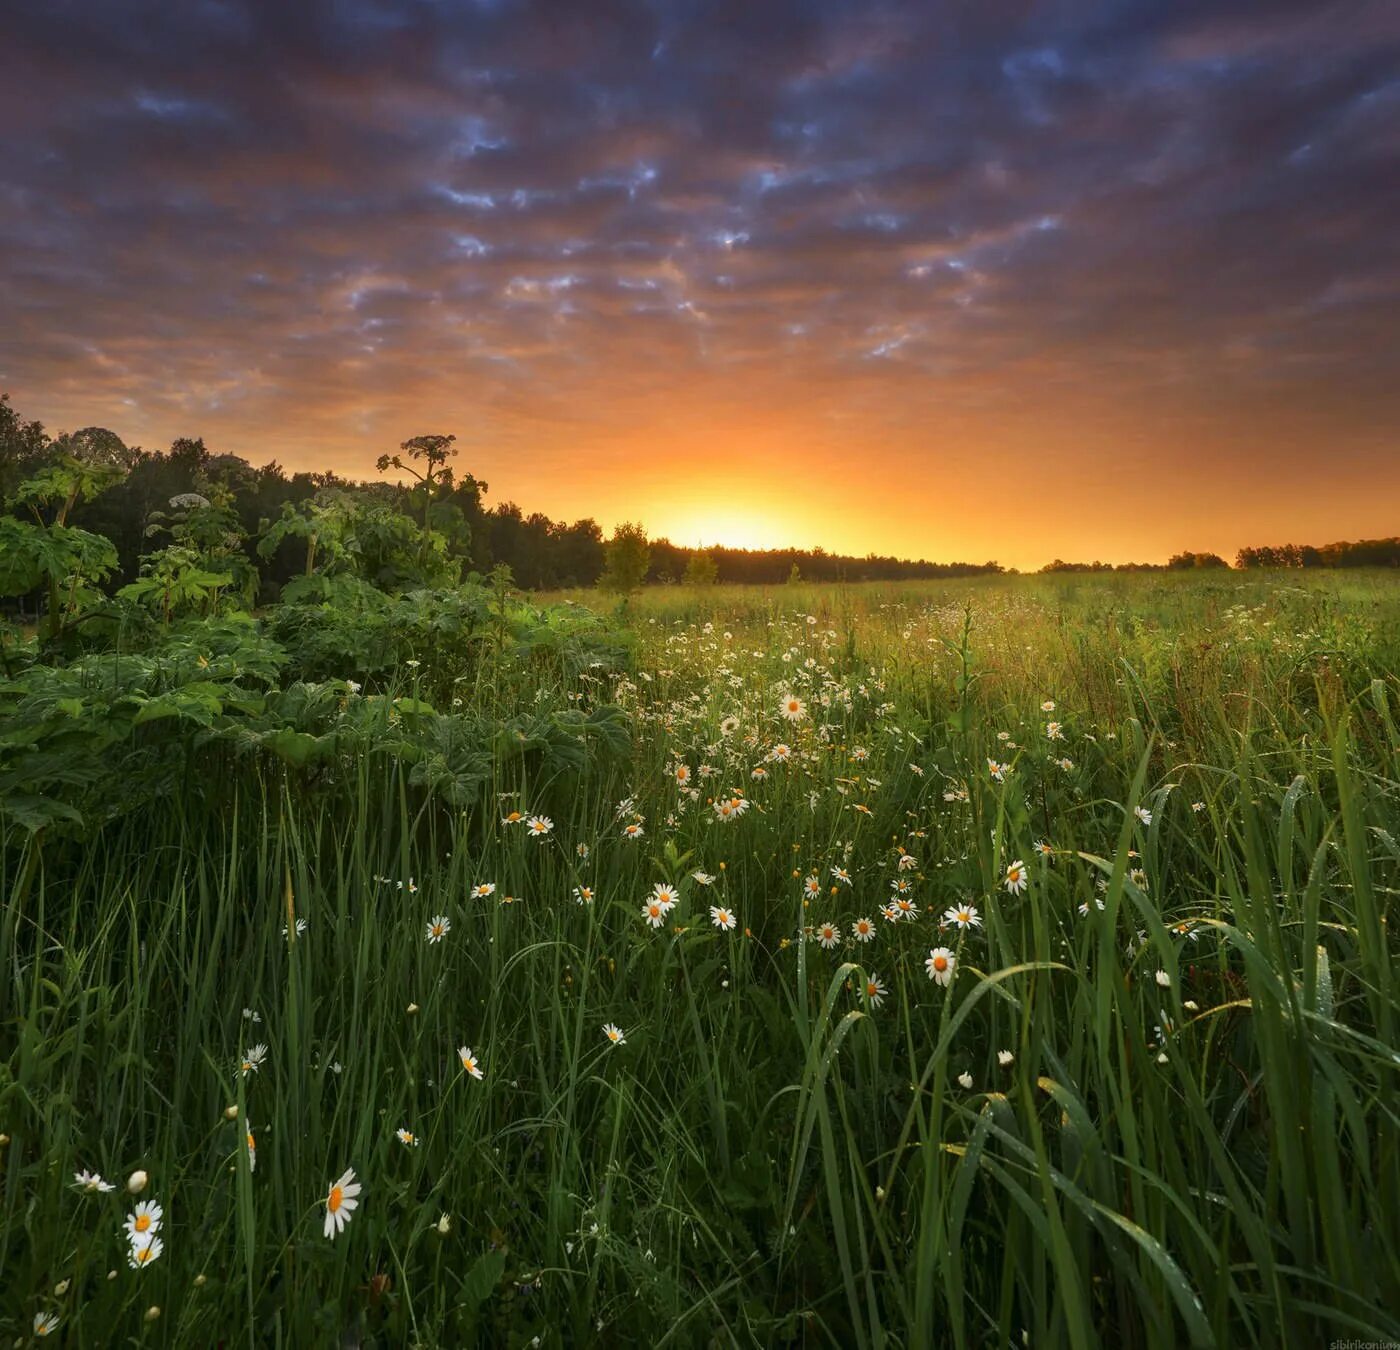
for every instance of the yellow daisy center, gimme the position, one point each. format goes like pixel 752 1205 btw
pixel 143 1222
pixel 334 1198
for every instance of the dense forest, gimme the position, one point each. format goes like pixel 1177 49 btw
pixel 274 510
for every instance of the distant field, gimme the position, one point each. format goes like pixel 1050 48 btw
pixel 993 961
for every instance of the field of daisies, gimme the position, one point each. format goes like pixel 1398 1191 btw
pixel 992 962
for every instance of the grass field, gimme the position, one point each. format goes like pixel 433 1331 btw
pixel 1058 1005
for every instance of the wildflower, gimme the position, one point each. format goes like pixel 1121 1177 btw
pixel 614 1034
pixel 812 886
pixel 583 895
pixel 780 753
pixel 998 771
pixel 889 913
pixel 941 964
pixel 581 850
pixel 1004 1057
pixel 438 927
pixel 143 1221
pixel 905 907
pixel 1016 879
pixel 793 708
pixel 142 1253
pixel 1065 764
pixel 665 896
pixel 252 1152
pixel 1048 705
pixel 252 1060
pixel 728 726
pixel 964 916
pixel 91 1182
pixel 653 914
pixel 633 831
pixel 1143 814
pixel 1054 731
pixel 721 917
pixel 682 775
pixel 702 878
pixel 1044 850
pixel 45 1323
pixel 513 818
pixel 828 934
pixel 965 1079
pixel 539 826
pixel 862 930
pixel 469 1061
pixel 875 990
pixel 1198 807
pixel 1164 979
pixel 406 1137
pixel 1138 877
pixel 298 928
pixel 443 1226
pixel 907 862
pixel 482 889
pixel 841 875
pixel 341 1203
pixel 901 885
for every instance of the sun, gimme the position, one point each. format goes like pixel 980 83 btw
pixel 725 527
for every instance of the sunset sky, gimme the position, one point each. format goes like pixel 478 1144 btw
pixel 992 280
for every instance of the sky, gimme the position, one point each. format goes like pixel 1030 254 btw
pixel 1079 279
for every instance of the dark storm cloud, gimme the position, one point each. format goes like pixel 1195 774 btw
pixel 313 210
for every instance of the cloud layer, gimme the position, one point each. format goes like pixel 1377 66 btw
pixel 855 273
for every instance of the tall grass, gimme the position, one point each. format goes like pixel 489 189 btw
pixel 1191 1140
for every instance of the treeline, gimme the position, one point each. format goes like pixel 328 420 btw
pixel 1178 562
pixel 541 553
pixel 1353 553
pixel 1347 553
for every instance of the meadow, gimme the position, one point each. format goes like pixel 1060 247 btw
pixel 982 962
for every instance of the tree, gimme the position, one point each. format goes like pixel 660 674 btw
pixel 701 569
pixel 436 478
pixel 626 559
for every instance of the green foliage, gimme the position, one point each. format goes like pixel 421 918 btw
pixel 1201 1156
pixel 626 559
pixel 701 569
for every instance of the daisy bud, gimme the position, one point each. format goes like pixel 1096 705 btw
pixel 200 1281
pixel 4 1139
pixel 111 1274
pixel 412 1009
pixel 1191 1005
pixel 1164 979
pixel 444 1226
pixel 152 1313
pixel 230 1113
pixel 965 1079
pixel 880 1193
pixel 60 1289
pixel 136 1182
